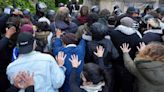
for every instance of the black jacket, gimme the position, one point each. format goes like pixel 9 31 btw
pixel 122 35
pixel 5 59
pixel 3 42
pixel 14 89
pixel 110 53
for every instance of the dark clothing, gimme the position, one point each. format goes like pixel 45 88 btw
pixel 66 27
pixel 3 43
pixel 152 35
pixel 14 89
pixel 3 20
pixel 74 85
pixel 109 55
pixel 5 56
pixel 123 79
pixel 82 19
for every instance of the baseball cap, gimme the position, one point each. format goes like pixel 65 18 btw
pixel 25 42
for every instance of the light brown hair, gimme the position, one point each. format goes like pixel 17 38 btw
pixel 153 51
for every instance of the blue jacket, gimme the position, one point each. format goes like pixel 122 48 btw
pixel 70 50
pixel 15 54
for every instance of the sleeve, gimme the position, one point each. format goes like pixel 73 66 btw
pixel 57 46
pixel 57 74
pixel 129 63
pixel 82 43
pixel 115 53
pixel 3 42
pixel 72 81
pixel 13 89
pixel 101 62
pixel 29 89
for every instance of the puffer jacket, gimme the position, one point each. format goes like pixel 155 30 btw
pixel 149 74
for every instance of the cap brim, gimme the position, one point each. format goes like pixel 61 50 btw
pixel 25 49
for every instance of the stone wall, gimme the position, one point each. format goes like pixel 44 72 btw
pixel 123 4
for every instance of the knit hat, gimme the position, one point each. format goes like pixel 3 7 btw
pixel 27 28
pixel 127 21
pixel 69 38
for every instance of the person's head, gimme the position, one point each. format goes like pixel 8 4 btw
pixel 43 24
pixel 84 11
pixel 51 15
pixel 148 8
pixel 92 18
pixel 63 14
pixel 128 22
pixel 27 28
pixel 61 5
pixel 25 21
pixel 153 23
pixel 93 74
pixel 69 38
pixel 40 8
pixel 154 51
pixel 112 20
pixel 160 12
pixel 98 31
pixel 95 9
pixel 27 13
pixel 133 12
pixel 25 42
pixel 14 21
pixel 105 13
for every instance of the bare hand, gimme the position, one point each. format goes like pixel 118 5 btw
pixel 60 58
pixel 23 80
pixel 100 51
pixel 74 61
pixel 17 81
pixel 58 33
pixel 125 48
pixel 10 31
pixel 142 46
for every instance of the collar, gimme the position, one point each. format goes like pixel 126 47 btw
pixel 94 88
pixel 157 31
pixel 71 45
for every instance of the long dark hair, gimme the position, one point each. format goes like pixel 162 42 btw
pixel 94 73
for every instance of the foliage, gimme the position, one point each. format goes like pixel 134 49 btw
pixel 23 4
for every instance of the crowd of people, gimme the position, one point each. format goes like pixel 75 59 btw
pixel 78 49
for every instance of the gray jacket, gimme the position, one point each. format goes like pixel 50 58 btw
pixel 149 74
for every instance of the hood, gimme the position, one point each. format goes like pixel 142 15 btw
pixel 128 31
pixel 152 71
pixel 93 88
pixel 61 25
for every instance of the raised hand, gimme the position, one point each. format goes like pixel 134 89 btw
pixel 10 31
pixel 125 48
pixel 58 33
pixel 100 51
pixel 60 58
pixel 74 61
pixel 141 47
